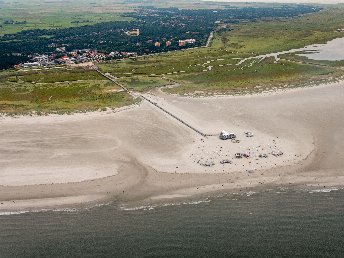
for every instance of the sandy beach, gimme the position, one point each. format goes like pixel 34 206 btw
pixel 142 154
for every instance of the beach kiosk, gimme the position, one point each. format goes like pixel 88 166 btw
pixel 226 135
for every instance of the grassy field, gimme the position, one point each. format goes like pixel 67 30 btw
pixel 263 76
pixel 141 83
pixel 63 14
pixel 215 69
pixel 36 14
pixel 58 91
pixel 55 20
pixel 271 36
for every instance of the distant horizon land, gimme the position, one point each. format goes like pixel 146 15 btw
pixel 282 1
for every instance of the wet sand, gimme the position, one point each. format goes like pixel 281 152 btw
pixel 143 155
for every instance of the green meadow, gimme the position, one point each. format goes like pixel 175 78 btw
pixel 58 91
pixel 27 15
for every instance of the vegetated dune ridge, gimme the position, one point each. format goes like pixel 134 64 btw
pixel 142 155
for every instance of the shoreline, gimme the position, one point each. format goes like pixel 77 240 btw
pixel 272 91
pixel 137 179
pixel 198 192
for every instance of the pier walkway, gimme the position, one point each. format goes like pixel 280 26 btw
pixel 111 78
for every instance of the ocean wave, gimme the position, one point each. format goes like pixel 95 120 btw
pixel 99 205
pixel 9 213
pixel 64 210
pixel 152 207
pixel 328 190
pixel 250 193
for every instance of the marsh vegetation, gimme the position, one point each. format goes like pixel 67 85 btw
pixel 58 91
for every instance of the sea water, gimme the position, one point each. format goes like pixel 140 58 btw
pixel 331 51
pixel 274 222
